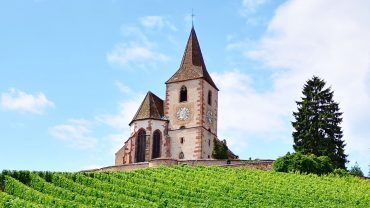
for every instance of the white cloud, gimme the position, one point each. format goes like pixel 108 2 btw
pixel 119 122
pixel 330 39
pixel 116 141
pixel 76 133
pixel 136 51
pixel 16 100
pixel 249 10
pixel 123 54
pixel 156 22
pixel 253 5
pixel 125 114
pixel 123 88
pixel 241 106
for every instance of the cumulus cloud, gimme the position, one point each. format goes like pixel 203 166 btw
pixel 249 10
pixel 123 54
pixel 241 106
pixel 16 100
pixel 330 39
pixel 156 22
pixel 119 122
pixel 137 50
pixel 123 117
pixel 253 5
pixel 123 88
pixel 76 133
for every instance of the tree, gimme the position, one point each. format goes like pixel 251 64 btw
pixel 298 162
pixel 317 123
pixel 220 149
pixel 356 170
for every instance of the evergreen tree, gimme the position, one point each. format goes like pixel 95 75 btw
pixel 317 123
pixel 220 149
pixel 356 170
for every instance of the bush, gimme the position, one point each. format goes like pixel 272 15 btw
pixel 297 162
pixel 341 172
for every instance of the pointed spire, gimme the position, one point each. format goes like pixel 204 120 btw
pixel 150 108
pixel 192 64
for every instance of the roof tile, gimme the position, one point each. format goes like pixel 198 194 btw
pixel 192 64
pixel 150 108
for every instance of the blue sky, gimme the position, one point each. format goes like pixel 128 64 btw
pixel 73 73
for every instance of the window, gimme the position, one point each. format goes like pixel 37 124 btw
pixel 182 140
pixel 209 97
pixel 209 143
pixel 140 146
pixel 182 127
pixel 156 144
pixel 183 94
pixel 181 155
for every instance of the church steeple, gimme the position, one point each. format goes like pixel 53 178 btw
pixel 192 64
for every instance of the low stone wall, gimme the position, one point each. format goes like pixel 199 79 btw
pixel 124 167
pixel 255 164
pixel 260 165
pixel 162 162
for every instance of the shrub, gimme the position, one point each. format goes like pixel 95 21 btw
pixel 341 172
pixel 297 162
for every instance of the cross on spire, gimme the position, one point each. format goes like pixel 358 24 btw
pixel 192 17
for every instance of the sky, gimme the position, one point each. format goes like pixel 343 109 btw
pixel 73 73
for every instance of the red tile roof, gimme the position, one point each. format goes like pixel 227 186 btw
pixel 192 64
pixel 150 108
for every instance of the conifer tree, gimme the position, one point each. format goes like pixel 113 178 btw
pixel 317 123
pixel 219 149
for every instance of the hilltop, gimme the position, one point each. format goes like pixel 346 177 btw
pixel 181 186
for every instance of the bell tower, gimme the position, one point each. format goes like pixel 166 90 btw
pixel 191 106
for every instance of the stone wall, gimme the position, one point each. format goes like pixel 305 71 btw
pixel 255 164
pixel 124 167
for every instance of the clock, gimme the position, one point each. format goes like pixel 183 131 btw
pixel 183 113
pixel 209 116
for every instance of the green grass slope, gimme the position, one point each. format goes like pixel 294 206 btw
pixel 181 186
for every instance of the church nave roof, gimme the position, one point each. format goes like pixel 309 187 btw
pixel 150 108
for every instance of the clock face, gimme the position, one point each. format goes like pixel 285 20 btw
pixel 209 116
pixel 183 113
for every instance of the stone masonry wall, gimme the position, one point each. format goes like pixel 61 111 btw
pixel 255 164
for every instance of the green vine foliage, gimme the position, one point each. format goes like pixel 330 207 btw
pixel 182 186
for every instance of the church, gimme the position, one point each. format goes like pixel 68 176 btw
pixel 184 125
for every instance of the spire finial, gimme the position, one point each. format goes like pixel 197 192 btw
pixel 192 17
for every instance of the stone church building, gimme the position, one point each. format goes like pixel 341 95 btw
pixel 184 125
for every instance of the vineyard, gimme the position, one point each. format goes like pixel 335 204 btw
pixel 181 186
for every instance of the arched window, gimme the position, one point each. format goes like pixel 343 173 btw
pixel 156 151
pixel 209 97
pixel 140 146
pixel 182 140
pixel 183 94
pixel 181 155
